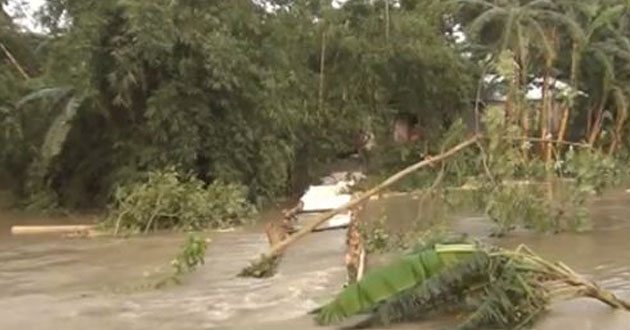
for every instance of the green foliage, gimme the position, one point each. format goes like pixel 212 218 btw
pixel 440 292
pixel 499 288
pixel 229 91
pixel 521 192
pixel 169 200
pixel 509 206
pixel 191 256
pixel 512 188
pixel 383 283
pixel 376 237
pixel 235 93
pixel 593 170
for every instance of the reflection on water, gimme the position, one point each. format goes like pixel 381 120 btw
pixel 50 283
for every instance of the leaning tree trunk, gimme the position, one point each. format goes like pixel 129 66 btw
pixel 14 62
pixel 268 259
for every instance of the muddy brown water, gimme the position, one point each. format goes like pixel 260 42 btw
pixel 52 283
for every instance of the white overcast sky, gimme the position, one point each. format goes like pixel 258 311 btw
pixel 28 8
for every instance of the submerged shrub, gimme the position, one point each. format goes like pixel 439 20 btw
pixel 191 256
pixel 593 170
pixel 170 200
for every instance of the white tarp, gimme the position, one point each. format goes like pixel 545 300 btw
pixel 340 220
pixel 324 198
pixel 331 195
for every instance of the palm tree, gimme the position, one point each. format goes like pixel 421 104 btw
pixel 529 30
pixel 604 47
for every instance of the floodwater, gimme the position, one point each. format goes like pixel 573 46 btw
pixel 55 283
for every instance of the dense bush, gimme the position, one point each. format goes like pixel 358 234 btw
pixel 167 199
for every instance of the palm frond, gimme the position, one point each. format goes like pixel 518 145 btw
pixel 480 3
pixel 606 17
pixel 482 20
pixel 547 48
pixel 541 4
pixel 507 31
pixel 59 129
pixel 55 94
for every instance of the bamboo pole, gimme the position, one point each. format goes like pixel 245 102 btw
pixel 322 69
pixel 277 249
pixel 38 230
pixel 564 123
pixel 13 61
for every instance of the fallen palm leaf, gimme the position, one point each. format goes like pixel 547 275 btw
pixel 504 288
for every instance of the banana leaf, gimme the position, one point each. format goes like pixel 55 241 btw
pixel 383 283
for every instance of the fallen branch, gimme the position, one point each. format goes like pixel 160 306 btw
pixel 277 249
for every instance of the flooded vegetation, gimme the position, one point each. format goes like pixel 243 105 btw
pixel 47 282
pixel 245 162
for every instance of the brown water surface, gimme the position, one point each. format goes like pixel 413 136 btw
pixel 53 283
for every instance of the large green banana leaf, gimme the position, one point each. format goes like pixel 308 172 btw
pixel 384 282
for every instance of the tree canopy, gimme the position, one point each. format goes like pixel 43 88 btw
pixel 252 92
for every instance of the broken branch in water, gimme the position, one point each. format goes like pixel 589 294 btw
pixel 269 259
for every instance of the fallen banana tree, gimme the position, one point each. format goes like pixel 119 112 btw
pixel 265 266
pixel 500 288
